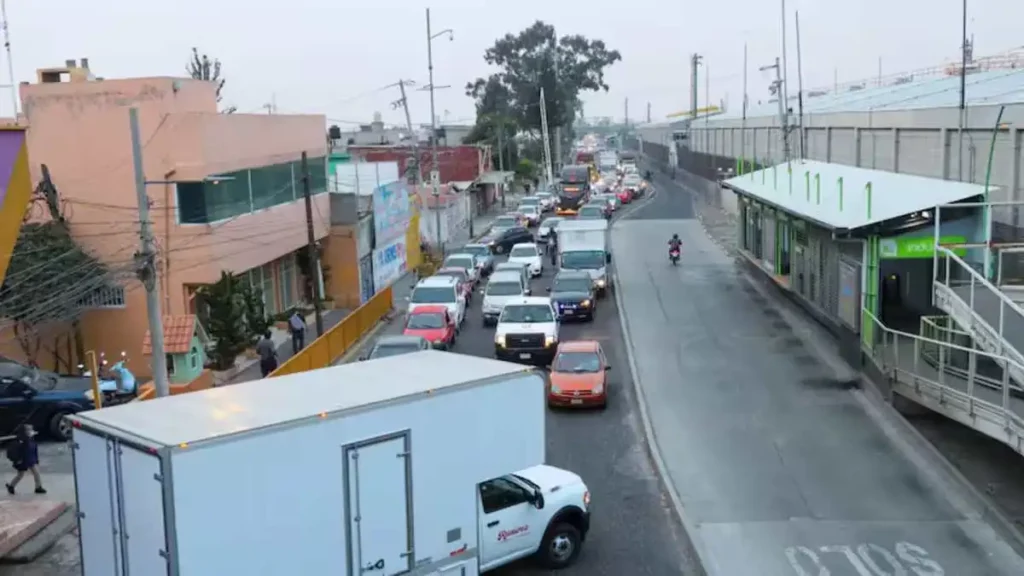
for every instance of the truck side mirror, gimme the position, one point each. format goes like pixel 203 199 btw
pixel 608 257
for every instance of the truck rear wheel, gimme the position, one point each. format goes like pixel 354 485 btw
pixel 560 546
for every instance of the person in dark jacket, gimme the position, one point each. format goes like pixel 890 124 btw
pixel 267 351
pixel 24 455
pixel 553 247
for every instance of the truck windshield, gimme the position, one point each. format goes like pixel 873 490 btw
pixel 503 289
pixel 578 362
pixel 571 285
pixel 432 295
pixel 583 260
pixel 426 321
pixel 527 314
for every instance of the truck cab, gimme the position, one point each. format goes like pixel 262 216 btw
pixel 527 331
pixel 542 511
pixel 574 189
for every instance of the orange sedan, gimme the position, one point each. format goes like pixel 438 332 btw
pixel 579 375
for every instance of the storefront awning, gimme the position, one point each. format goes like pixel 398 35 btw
pixel 842 197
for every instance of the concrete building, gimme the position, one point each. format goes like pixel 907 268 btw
pixel 376 133
pixel 225 191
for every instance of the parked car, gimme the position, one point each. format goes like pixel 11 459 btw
pixel 506 239
pixel 41 398
pixel 434 323
pixel 394 345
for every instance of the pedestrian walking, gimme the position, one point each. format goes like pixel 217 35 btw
pixel 268 354
pixel 23 452
pixel 297 326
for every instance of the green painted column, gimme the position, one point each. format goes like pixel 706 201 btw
pixel 871 269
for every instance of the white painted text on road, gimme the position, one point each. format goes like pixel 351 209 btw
pixel 905 559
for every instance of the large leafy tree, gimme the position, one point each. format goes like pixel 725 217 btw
pixel 202 67
pixel 537 58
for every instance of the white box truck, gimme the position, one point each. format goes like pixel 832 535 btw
pixel 583 245
pixel 424 464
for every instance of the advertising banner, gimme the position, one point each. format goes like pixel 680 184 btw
pixel 15 191
pixel 388 263
pixel 391 211
pixel 900 248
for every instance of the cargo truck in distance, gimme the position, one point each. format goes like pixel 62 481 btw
pixel 583 245
pixel 427 463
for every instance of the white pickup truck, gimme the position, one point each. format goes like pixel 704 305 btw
pixel 402 465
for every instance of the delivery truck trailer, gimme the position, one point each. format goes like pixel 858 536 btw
pixel 423 464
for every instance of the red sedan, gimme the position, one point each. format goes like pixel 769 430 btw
pixel 434 323
pixel 625 195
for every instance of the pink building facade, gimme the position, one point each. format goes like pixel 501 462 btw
pixel 225 190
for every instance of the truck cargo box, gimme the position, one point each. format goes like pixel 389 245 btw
pixel 366 468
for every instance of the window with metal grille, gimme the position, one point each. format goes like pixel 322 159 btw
pixel 107 297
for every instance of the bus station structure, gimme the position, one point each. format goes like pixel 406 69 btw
pixel 906 272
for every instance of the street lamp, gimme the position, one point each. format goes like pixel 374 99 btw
pixel 435 174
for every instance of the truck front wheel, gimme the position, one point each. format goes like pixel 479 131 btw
pixel 560 547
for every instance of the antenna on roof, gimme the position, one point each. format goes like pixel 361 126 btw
pixel 10 61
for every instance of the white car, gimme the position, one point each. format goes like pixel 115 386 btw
pixel 547 201
pixel 531 213
pixel 529 255
pixel 503 287
pixel 548 226
pixel 464 261
pixel 518 267
pixel 527 331
pixel 440 290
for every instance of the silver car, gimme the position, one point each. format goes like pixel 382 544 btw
pixel 482 253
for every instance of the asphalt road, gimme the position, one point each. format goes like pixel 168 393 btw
pixel 779 467
pixel 634 530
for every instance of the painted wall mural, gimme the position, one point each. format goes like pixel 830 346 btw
pixel 15 190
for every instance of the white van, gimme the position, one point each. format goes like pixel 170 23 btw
pixel 502 287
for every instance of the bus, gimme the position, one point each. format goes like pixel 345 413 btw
pixel 573 190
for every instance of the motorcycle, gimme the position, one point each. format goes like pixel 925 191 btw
pixel 116 382
pixel 673 255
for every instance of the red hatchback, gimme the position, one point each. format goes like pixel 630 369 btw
pixel 433 322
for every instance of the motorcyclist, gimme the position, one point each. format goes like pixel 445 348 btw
pixel 647 175
pixel 675 243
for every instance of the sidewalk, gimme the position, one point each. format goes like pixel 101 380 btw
pixel 283 339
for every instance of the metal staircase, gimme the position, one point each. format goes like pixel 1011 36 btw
pixel 990 316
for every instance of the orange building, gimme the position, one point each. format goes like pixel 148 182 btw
pixel 225 191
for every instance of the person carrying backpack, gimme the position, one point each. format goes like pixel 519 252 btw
pixel 23 454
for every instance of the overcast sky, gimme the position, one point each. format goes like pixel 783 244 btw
pixel 333 58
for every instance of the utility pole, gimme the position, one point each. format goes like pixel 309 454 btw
pixel 145 262
pixel 963 95
pixel 776 89
pixel 707 104
pixel 648 112
pixel 435 170
pixel 10 60
pixel 627 112
pixel 800 89
pixel 547 140
pixel 314 256
pixel 784 71
pixel 501 159
pixel 695 60
pixel 404 103
pixel 743 129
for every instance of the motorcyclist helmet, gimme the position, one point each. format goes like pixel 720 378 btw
pixel 675 236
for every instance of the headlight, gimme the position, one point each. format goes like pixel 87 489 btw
pixel 500 340
pixel 555 389
pixel 548 340
pixel 598 389
pixel 600 282
pixel 585 304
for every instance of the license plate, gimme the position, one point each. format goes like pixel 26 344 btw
pixel 576 401
pixel 567 312
pixel 525 356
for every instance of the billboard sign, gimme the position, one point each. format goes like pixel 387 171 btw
pixel 392 210
pixel 15 190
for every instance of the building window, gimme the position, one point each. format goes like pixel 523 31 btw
pixel 246 191
pixel 170 364
pixel 193 358
pixel 107 297
pixel 269 294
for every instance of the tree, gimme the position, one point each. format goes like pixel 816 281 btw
pixel 256 319
pixel 202 67
pixel 228 324
pixel 535 58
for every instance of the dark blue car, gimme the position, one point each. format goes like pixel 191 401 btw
pixel 40 398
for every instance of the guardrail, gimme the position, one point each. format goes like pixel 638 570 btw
pixel 335 342
pixel 956 273
pixel 902 357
